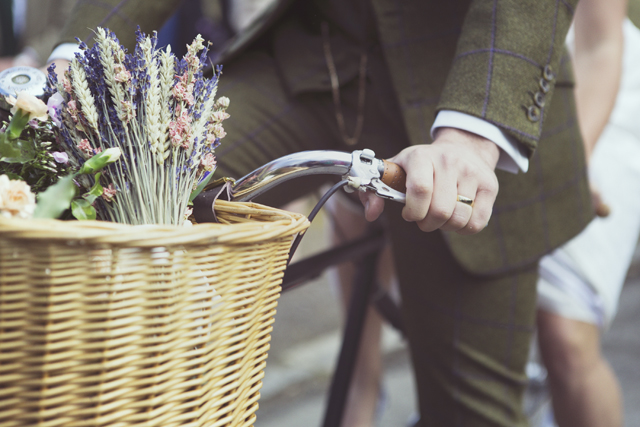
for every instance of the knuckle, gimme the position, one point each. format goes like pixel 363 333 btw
pixel 411 215
pixel 466 172
pixel 478 223
pixel 458 220
pixel 419 190
pixel 490 186
pixel 425 226
pixel 440 214
pixel 444 160
pixel 453 226
pixel 474 227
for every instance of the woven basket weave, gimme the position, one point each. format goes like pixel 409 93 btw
pixel 105 324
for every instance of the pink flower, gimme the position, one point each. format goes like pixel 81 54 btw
pixel 108 193
pixel 219 116
pixel 188 98
pixel 60 157
pixel 180 131
pixel 192 52
pixel 179 91
pixel 222 103
pixel 128 111
pixel 193 61
pixel 72 110
pixel 85 147
pixel 183 91
pixel 208 162
pixel 176 132
pixel 217 130
pixel 121 73
pixel 66 83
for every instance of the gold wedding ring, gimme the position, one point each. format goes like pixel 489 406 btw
pixel 465 200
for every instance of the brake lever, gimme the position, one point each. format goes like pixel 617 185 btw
pixel 368 173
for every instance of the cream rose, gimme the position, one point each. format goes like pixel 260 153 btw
pixel 29 104
pixel 16 198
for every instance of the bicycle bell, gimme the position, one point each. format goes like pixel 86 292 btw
pixel 18 79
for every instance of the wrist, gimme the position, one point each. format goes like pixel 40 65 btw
pixel 486 149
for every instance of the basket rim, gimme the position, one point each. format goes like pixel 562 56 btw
pixel 256 222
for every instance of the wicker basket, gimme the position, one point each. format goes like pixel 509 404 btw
pixel 104 324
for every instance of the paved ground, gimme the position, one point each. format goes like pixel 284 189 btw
pixel 306 339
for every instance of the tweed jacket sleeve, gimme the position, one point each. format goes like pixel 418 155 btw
pixel 506 62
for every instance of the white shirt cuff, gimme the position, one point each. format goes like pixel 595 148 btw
pixel 64 51
pixel 513 157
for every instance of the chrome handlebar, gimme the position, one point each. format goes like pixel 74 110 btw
pixel 361 168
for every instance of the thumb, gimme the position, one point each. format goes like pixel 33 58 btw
pixel 373 205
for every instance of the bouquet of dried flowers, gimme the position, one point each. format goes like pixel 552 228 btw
pixel 158 115
pixel 160 112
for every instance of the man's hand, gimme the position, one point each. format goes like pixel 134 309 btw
pixel 456 163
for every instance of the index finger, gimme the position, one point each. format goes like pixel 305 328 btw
pixel 419 187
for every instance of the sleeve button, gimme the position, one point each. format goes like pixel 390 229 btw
pixel 547 73
pixel 533 113
pixel 545 87
pixel 538 98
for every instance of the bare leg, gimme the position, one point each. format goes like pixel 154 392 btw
pixel 584 389
pixel 365 387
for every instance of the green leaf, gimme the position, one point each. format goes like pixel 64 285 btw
pixel 200 187
pixel 17 124
pixel 95 192
pixel 9 152
pixel 16 151
pixel 14 176
pixel 82 209
pixel 56 199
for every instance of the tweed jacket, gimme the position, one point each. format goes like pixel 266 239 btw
pixel 500 60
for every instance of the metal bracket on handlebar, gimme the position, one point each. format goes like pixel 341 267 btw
pixel 365 174
pixel 363 170
pixel 383 190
